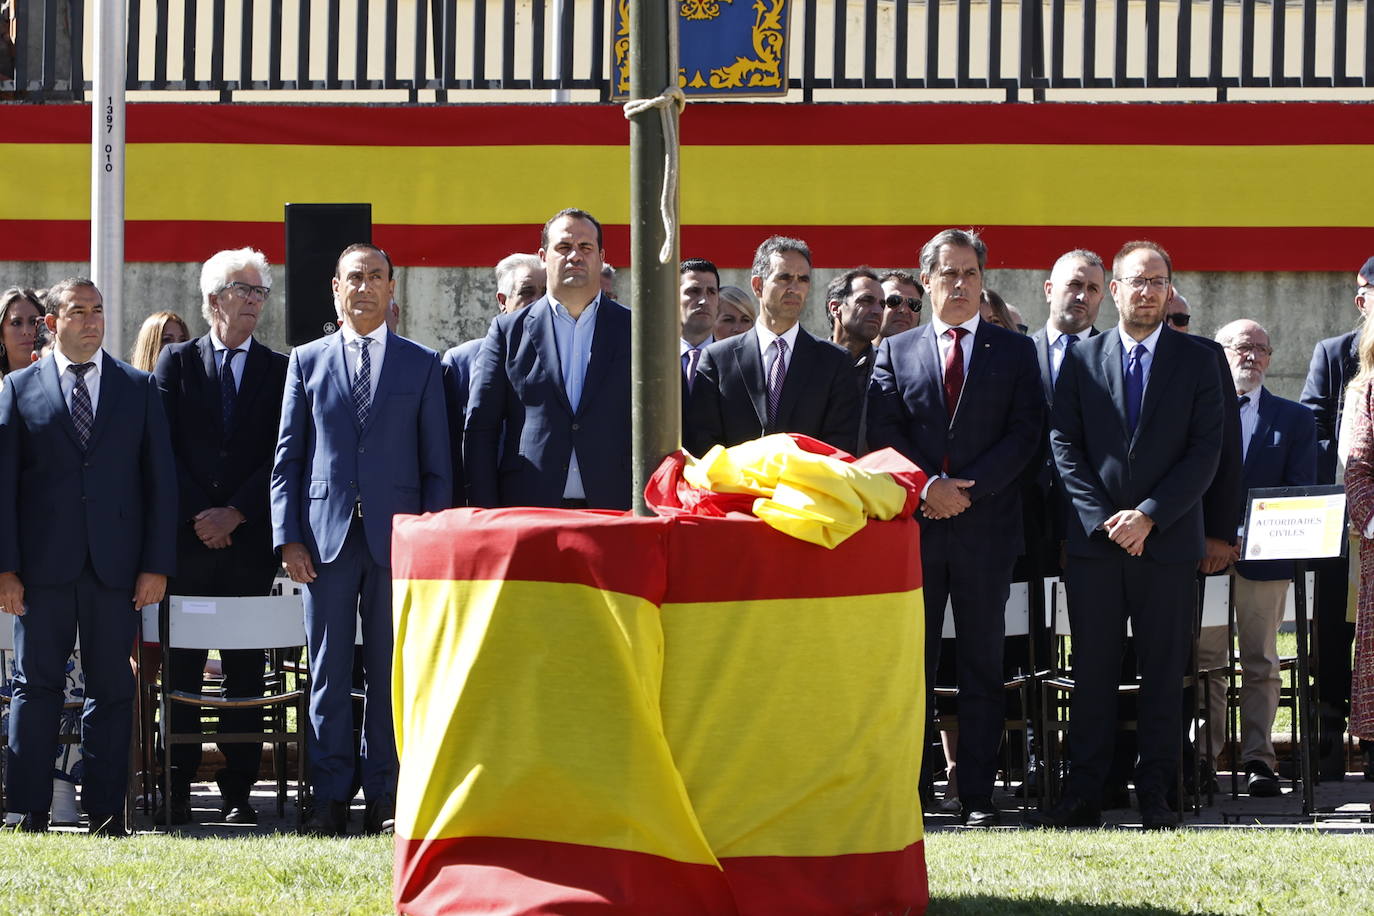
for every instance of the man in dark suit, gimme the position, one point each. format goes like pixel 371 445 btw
pixel 961 398
pixel 364 437
pixel 856 304
pixel 519 282
pixel 1335 361
pixel 548 419
pixel 1136 434
pixel 222 394
pixel 699 302
pixel 87 516
pixel 775 378
pixel 1280 450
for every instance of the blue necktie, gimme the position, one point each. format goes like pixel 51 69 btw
pixel 1135 385
pixel 362 382
pixel 83 415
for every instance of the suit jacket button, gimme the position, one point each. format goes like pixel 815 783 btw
pixel 575 426
pixel 353 484
pixel 360 448
pixel 1131 456
pixel 214 484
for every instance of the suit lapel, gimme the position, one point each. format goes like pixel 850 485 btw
pixel 114 385
pixel 1042 353
pixel 337 360
pixel 980 355
pixel 254 370
pixel 1116 383
pixel 214 407
pixel 602 355
pixel 1263 425
pixel 539 325
pixel 928 362
pixel 52 387
pixel 749 365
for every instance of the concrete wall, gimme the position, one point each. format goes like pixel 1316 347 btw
pixel 441 307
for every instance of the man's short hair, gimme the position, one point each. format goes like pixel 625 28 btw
pixel 1081 254
pixel 903 276
pixel 507 267
pixel 575 213
pixel 1137 245
pixel 956 238
pixel 365 246
pixel 52 298
pixel 840 288
pixel 607 270
pixel 214 273
pixel 776 244
pixel 700 265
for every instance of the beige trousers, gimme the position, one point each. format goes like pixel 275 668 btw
pixel 1259 611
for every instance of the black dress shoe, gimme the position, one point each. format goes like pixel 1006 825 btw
pixel 110 825
pixel 1260 781
pixel 1155 813
pixel 1071 813
pixel 238 812
pixel 380 817
pixel 1117 796
pixel 180 810
pixel 234 793
pixel 979 812
pixel 327 819
pixel 31 822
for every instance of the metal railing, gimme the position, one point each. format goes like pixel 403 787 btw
pixel 868 49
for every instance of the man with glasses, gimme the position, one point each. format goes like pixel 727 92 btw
pixel 1335 361
pixel 1280 450
pixel 902 295
pixel 1136 434
pixel 222 393
pixel 959 397
pixel 364 437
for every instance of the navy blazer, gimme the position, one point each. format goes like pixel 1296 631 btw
pixel 521 429
pixel 1282 453
pixel 1161 470
pixel 456 367
pixel 396 464
pixel 113 502
pixel 213 471
pixel 993 435
pixel 1335 361
pixel 729 402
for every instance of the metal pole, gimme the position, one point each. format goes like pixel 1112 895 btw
pixel 1306 727
pixel 107 168
pixel 559 94
pixel 656 388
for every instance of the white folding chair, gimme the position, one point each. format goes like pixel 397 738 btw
pixel 274 623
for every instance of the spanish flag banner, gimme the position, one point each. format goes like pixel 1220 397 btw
pixel 1225 187
pixel 655 715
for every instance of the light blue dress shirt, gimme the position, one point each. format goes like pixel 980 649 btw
pixel 573 337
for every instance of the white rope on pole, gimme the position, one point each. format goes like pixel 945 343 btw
pixel 670 103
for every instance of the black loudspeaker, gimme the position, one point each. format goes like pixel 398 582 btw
pixel 315 234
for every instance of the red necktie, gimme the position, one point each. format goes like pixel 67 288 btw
pixel 954 369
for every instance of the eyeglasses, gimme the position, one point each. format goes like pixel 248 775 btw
pixel 894 301
pixel 1255 350
pixel 248 290
pixel 1139 283
pixel 1179 319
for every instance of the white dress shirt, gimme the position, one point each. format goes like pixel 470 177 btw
pixel 353 354
pixel 965 343
pixel 1128 343
pixel 1056 342
pixel 236 366
pixel 68 379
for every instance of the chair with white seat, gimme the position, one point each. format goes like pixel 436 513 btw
pixel 273 623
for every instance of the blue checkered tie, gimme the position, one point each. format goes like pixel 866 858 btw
pixel 362 382
pixel 83 416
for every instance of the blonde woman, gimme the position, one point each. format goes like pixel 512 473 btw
pixel 735 314
pixel 159 329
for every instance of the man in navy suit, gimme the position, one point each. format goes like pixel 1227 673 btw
pixel 962 399
pixel 698 303
pixel 774 378
pixel 222 393
pixel 1280 450
pixel 1335 361
pixel 1137 435
pixel 548 420
pixel 87 518
pixel 519 282
pixel 364 437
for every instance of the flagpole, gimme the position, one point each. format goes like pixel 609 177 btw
pixel 656 391
pixel 107 168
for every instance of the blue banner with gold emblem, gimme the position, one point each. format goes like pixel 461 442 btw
pixel 729 48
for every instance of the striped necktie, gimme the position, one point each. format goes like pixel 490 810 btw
pixel 83 415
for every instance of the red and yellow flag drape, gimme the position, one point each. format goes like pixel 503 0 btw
pixel 655 715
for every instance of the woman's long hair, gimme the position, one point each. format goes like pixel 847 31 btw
pixel 149 343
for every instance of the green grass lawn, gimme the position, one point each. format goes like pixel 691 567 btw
pixel 1080 874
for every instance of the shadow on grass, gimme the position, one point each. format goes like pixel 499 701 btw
pixel 985 904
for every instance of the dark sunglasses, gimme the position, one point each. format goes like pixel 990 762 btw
pixel 895 301
pixel 1178 319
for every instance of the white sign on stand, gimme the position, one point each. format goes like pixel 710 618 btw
pixel 1295 523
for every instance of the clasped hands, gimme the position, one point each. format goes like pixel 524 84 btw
pixel 945 497
pixel 214 526
pixel 1128 528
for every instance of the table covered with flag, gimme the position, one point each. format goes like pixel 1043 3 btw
pixel 679 714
